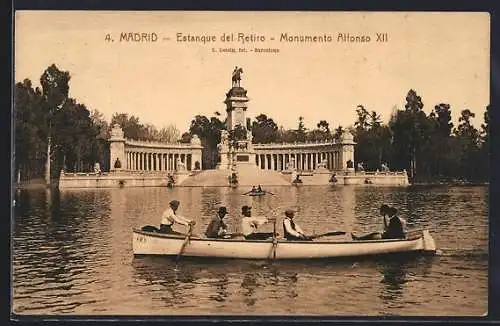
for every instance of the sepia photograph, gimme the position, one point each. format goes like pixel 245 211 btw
pixel 231 163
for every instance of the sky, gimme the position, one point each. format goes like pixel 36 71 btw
pixel 445 57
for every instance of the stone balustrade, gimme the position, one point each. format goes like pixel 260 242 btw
pixel 154 144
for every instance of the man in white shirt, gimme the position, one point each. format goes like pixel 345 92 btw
pixel 169 218
pixel 292 230
pixel 250 224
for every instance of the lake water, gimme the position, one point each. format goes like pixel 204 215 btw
pixel 72 254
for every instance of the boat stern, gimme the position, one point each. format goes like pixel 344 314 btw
pixel 429 245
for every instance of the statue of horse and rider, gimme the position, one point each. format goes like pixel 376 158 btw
pixel 236 79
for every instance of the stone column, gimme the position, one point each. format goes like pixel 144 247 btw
pixel 116 147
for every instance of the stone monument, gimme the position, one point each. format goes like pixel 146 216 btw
pixel 116 148
pixel 236 153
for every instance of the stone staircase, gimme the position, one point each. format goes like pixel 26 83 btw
pixel 248 176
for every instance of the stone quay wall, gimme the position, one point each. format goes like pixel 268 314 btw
pixel 120 179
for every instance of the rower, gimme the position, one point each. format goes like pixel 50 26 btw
pixel 250 224
pixel 217 228
pixel 169 218
pixel 259 189
pixel 292 230
pixel 254 190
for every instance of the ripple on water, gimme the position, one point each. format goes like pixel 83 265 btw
pixel 75 257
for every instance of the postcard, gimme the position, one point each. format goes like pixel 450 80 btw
pixel 213 163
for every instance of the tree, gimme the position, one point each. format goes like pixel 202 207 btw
pixel 185 138
pixel 363 118
pixel 286 135
pixel 301 130
pixel 321 133
pixel 442 143
pixel 323 126
pixel 409 128
pixel 55 92
pixel 485 147
pixel 469 144
pixel 132 128
pixel 208 130
pixel 264 130
pixel 30 136
pixel 168 134
pixel 372 139
pixel 338 133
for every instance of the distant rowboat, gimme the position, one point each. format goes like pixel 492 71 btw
pixel 256 193
pixel 153 243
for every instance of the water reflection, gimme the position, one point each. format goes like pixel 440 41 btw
pixel 396 273
pixel 249 285
pixel 72 253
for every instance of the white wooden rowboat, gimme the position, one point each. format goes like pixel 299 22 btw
pixel 153 243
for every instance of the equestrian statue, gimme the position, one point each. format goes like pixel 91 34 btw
pixel 236 79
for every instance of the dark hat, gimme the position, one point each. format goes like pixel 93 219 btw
pixel 175 203
pixel 386 209
pixel 223 209
pixel 289 212
pixel 246 208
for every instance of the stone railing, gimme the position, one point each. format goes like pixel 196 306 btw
pixel 319 143
pixel 380 173
pixel 127 172
pixel 154 144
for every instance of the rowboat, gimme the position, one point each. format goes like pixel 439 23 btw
pixel 153 243
pixel 256 193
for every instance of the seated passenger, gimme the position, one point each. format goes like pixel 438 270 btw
pixel 392 230
pixel 217 228
pixel 292 230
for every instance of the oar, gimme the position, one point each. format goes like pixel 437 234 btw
pixel 275 241
pixel 186 240
pixel 331 233
pixel 266 191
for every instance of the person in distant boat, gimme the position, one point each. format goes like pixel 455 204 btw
pixel 292 230
pixel 394 229
pixel 170 217
pixel 250 224
pixel 217 228
pixel 259 189
pixel 253 189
